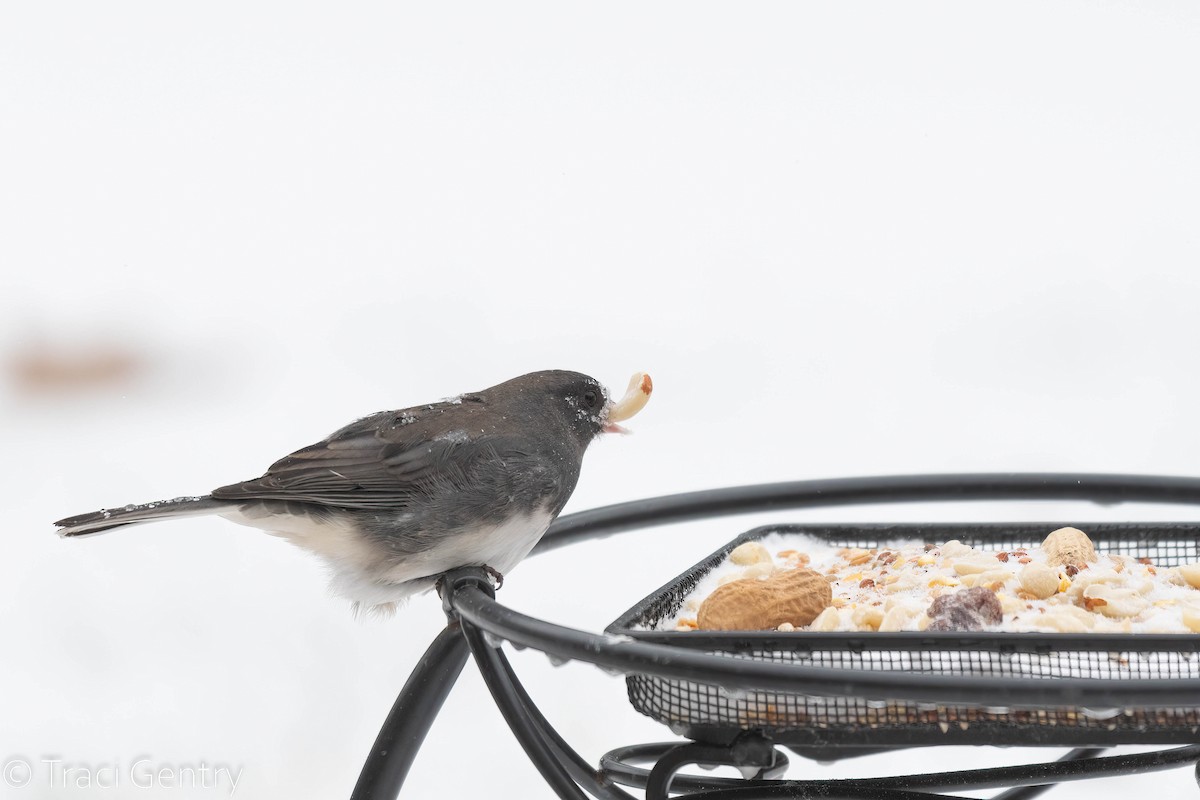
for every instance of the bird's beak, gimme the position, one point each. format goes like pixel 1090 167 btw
pixel 636 396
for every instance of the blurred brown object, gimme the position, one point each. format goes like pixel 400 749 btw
pixel 44 368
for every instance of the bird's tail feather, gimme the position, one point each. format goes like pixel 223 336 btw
pixel 109 518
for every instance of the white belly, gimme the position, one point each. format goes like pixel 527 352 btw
pixel 372 577
pixel 500 547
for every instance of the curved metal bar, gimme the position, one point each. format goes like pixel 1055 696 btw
pixel 748 750
pixel 667 509
pixel 489 660
pixel 1030 792
pixel 593 781
pixel 1074 765
pixel 1028 780
pixel 1030 775
pixel 814 791
pixel 658 785
pixel 749 675
pixel 615 764
pixel 411 716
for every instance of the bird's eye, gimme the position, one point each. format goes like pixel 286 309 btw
pixel 591 398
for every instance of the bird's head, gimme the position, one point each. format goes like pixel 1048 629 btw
pixel 582 402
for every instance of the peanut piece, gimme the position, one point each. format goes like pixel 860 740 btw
pixel 1067 619
pixel 895 619
pixel 1010 604
pixel 1191 618
pixel 901 584
pixel 795 595
pixel 748 553
pixel 1068 546
pixel 1191 574
pixel 1118 603
pixel 634 400
pixel 954 549
pixel 1092 577
pixel 995 576
pixel 760 571
pixel 828 620
pixel 1039 580
pixel 857 557
pixel 867 617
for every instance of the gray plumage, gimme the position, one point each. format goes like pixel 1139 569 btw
pixel 396 498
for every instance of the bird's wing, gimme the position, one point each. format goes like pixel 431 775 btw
pixel 367 467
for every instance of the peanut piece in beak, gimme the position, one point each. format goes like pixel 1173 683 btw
pixel 636 397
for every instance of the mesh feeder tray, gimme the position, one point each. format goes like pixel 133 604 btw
pixel 831 727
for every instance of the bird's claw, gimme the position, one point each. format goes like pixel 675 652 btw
pixel 495 573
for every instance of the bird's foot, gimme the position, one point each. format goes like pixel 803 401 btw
pixel 440 584
pixel 495 573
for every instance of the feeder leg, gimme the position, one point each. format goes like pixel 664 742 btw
pixel 404 729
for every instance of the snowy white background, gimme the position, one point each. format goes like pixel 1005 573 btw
pixel 844 240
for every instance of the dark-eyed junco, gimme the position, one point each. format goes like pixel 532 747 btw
pixel 395 499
